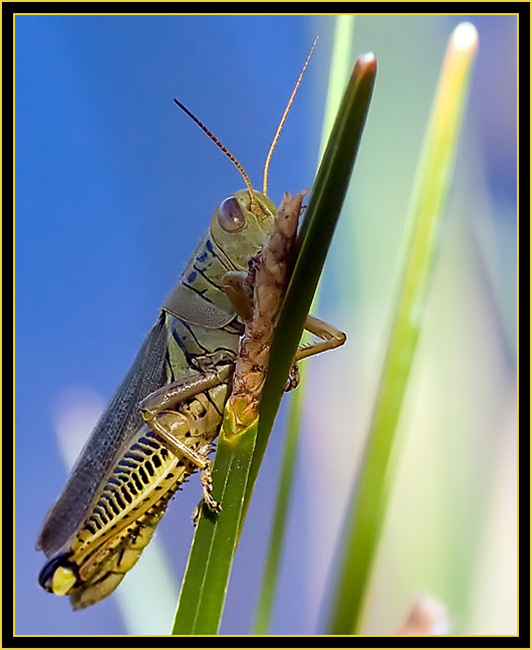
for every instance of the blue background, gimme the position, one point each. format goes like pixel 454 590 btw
pixel 115 186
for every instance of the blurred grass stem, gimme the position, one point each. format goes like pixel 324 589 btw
pixel 372 489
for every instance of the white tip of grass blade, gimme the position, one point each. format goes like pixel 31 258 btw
pixel 465 37
pixel 367 58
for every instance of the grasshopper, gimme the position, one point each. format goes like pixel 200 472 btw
pixel 161 424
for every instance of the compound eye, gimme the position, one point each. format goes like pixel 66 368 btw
pixel 230 215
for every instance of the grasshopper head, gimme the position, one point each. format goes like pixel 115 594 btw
pixel 240 225
pixel 241 222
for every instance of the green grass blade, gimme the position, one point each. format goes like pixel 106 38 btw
pixel 202 597
pixel 321 216
pixel 238 458
pixel 284 489
pixel 368 505
pixel 339 71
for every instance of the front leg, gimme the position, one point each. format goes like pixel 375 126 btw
pixel 330 338
pixel 238 290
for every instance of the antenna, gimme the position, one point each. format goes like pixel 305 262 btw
pixel 283 118
pixel 220 145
